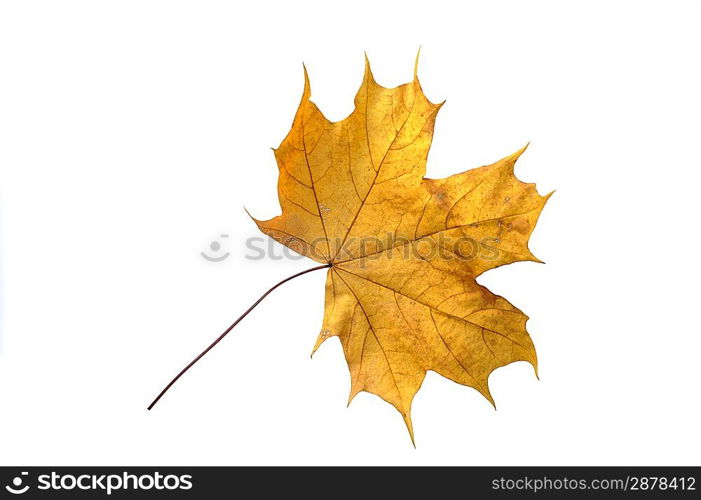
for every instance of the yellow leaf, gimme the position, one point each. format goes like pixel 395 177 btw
pixel 404 251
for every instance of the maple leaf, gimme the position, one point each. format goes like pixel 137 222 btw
pixel 401 291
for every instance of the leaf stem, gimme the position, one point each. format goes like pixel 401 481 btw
pixel 238 320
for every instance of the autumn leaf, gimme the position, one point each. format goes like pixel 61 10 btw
pixel 403 251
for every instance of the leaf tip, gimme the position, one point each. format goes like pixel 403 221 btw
pixel 410 428
pixel 535 259
pixel 307 87
pixel 489 397
pixel 518 153
pixel 320 340
pixel 368 77
pixel 483 389
pixel 355 389
pixel 416 65
pixel 249 214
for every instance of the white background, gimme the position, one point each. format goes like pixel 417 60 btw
pixel 133 133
